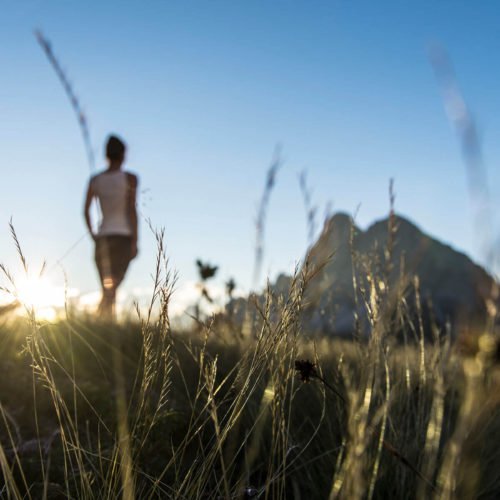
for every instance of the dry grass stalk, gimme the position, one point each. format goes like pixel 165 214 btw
pixel 74 101
pixel 262 213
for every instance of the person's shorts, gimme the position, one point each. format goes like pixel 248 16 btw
pixel 112 256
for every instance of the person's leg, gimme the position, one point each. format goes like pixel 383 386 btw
pixel 103 259
pixel 107 306
pixel 113 255
pixel 121 255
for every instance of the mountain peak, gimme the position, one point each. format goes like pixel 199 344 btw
pixel 457 287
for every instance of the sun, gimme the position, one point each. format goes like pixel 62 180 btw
pixel 39 295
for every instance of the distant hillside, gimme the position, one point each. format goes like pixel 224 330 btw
pixel 456 287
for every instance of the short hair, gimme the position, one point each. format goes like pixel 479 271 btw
pixel 115 148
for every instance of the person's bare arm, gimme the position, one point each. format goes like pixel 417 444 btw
pixel 132 211
pixel 86 210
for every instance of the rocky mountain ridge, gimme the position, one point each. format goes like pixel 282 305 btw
pixel 390 254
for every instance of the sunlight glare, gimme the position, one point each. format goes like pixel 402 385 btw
pixel 38 294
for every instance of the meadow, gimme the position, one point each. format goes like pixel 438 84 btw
pixel 252 409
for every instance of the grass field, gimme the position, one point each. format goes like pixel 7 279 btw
pixel 253 405
pixel 138 410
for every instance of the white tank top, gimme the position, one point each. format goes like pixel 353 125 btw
pixel 111 189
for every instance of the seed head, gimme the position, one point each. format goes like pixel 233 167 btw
pixel 206 270
pixel 230 286
pixel 306 369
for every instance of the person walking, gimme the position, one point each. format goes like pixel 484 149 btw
pixel 116 237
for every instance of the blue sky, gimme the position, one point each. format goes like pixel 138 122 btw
pixel 202 91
